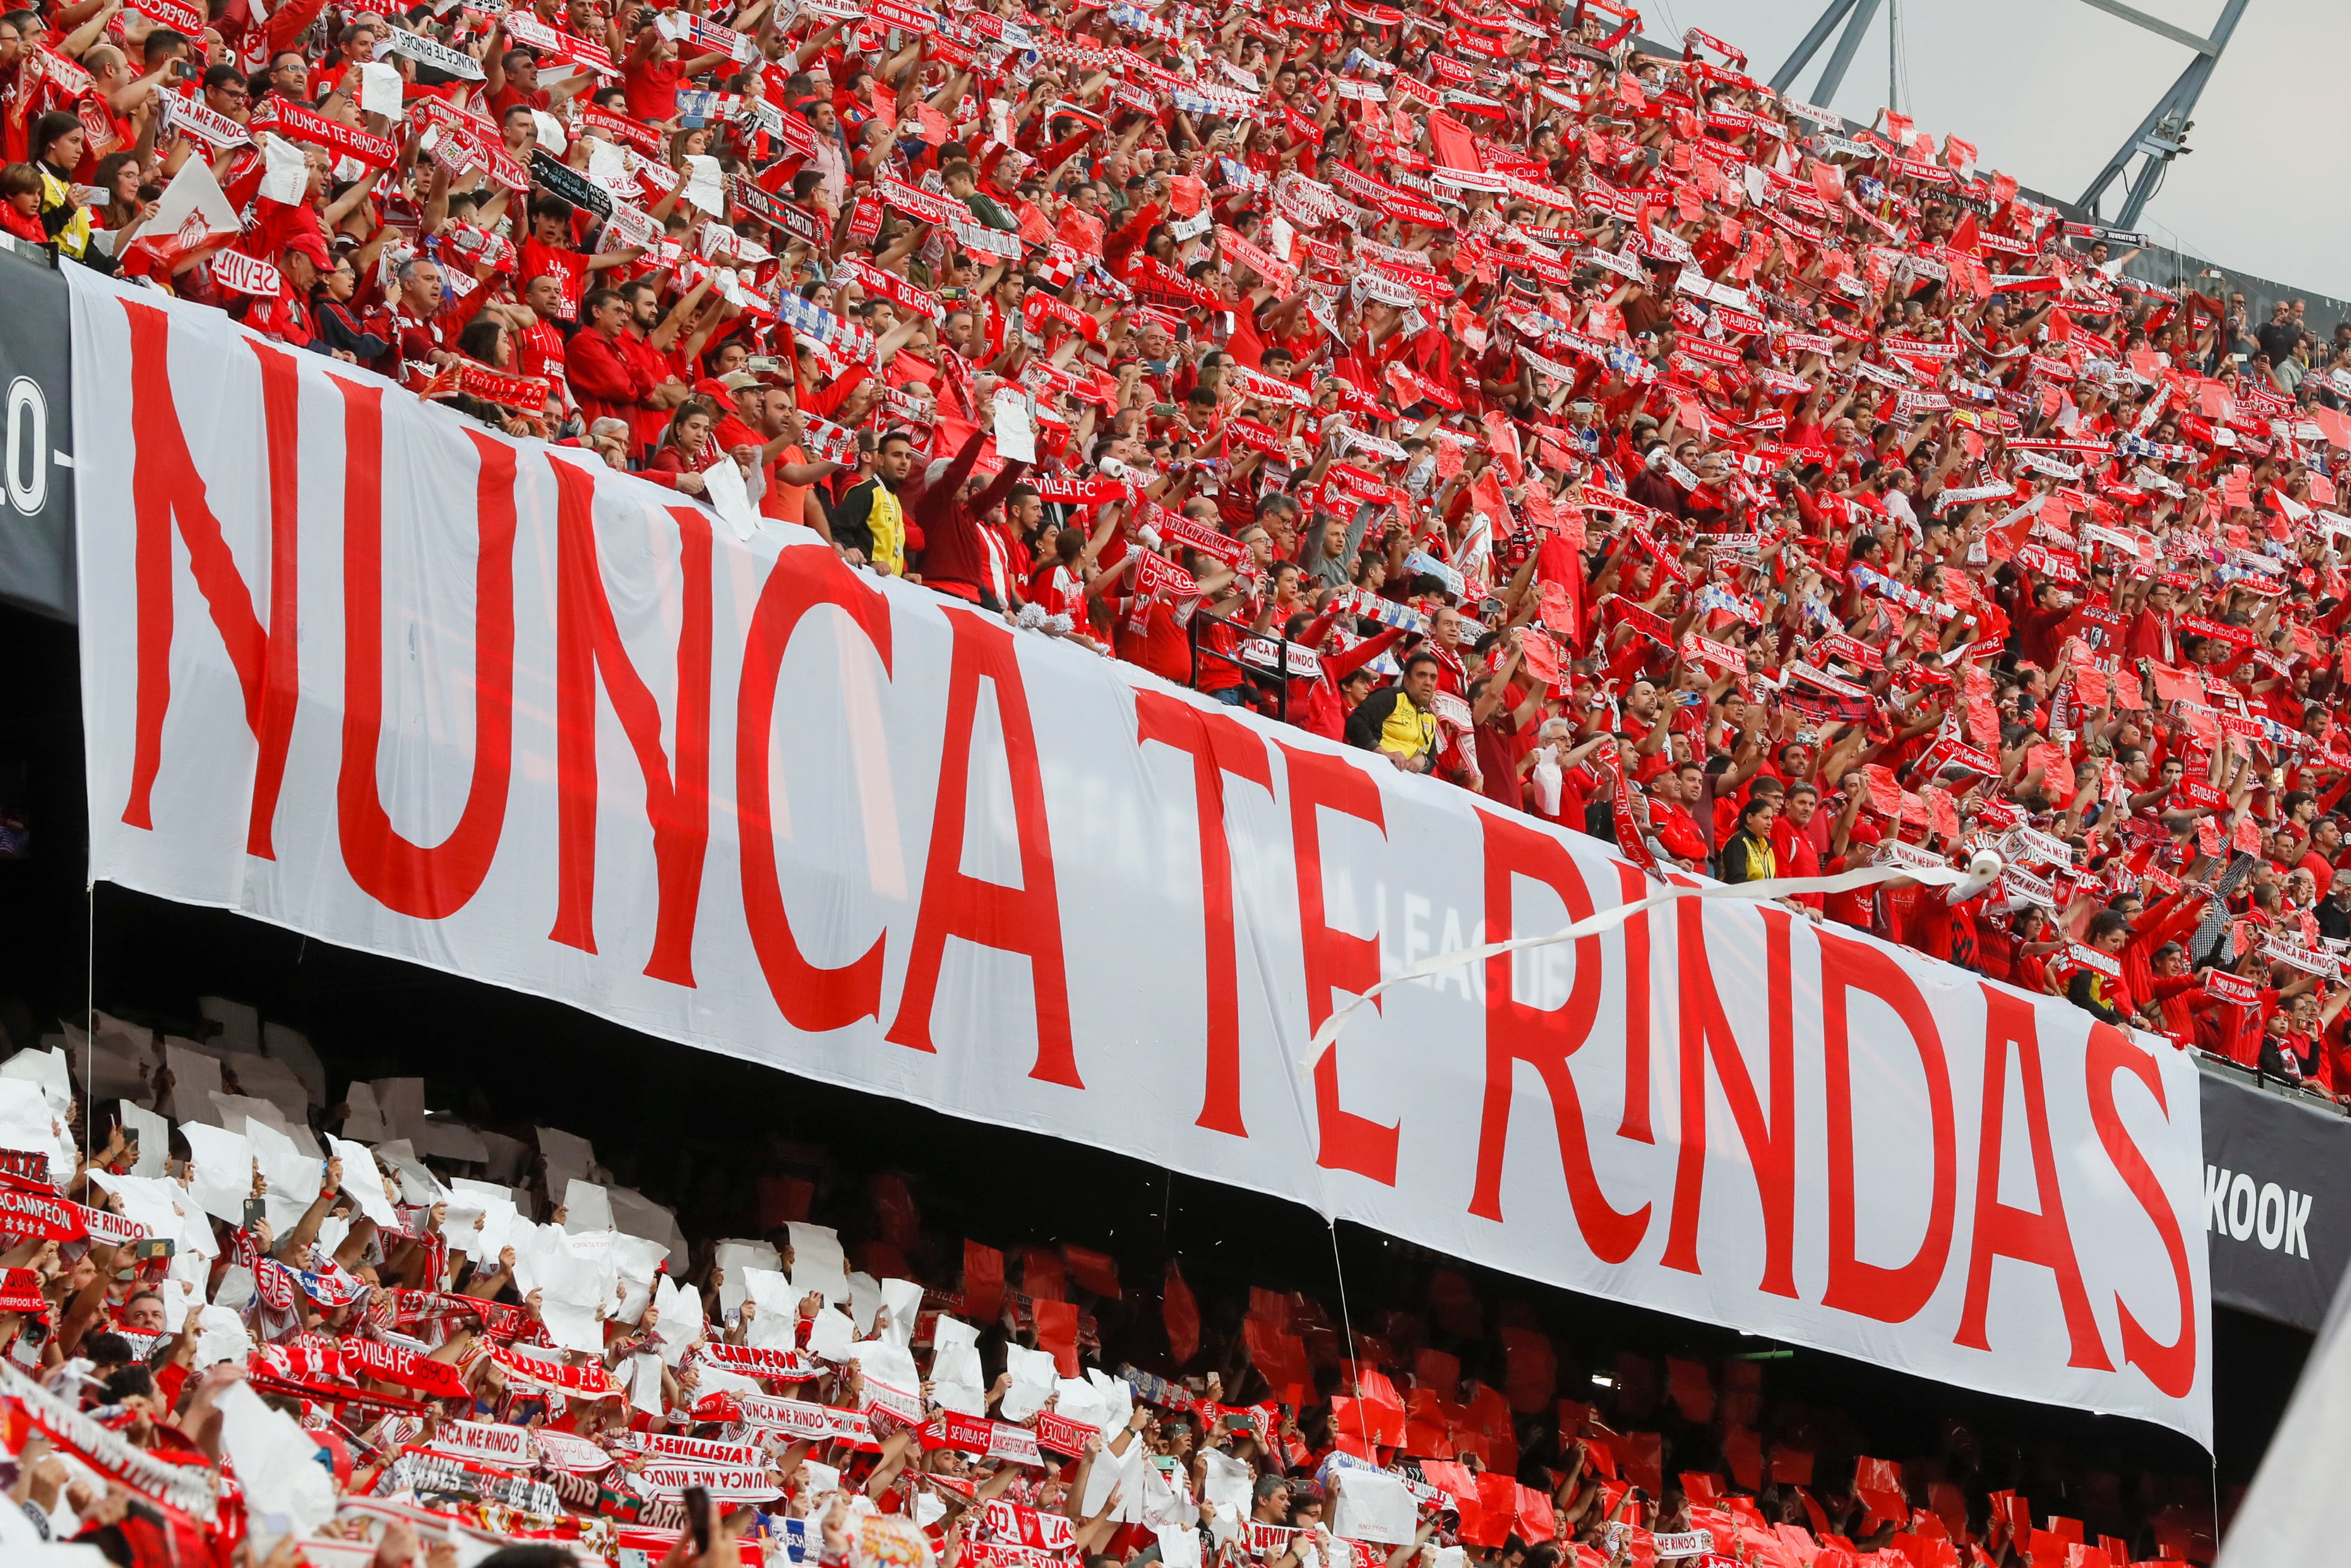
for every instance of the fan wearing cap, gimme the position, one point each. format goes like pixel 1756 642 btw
pixel 287 316
pixel 741 400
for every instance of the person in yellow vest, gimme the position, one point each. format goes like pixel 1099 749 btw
pixel 1396 721
pixel 1747 855
pixel 870 528
pixel 57 139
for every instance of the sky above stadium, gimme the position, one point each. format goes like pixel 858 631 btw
pixel 2048 89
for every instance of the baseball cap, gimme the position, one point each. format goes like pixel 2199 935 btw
pixel 312 246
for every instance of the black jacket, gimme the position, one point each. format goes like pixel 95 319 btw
pixel 849 528
pixel 1369 718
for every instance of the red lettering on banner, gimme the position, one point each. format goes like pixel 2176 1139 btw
pixel 1335 960
pixel 1890 1295
pixel 1634 886
pixel 1218 745
pixel 812 998
pixel 1542 1038
pixel 166 488
pixel 408 878
pixel 678 800
pixel 2002 1231
pixel 1025 919
pixel 2170 1367
pixel 1771 1145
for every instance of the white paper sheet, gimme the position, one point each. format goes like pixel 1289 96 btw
pixel 234 1288
pixel 265 1078
pixel 638 1214
pixel 401 1101
pixel 294 1180
pixel 775 1310
pixel 888 1360
pixel 902 1303
pixel 26 1122
pixel 864 1301
pixel 293 1048
pixel 680 1321
pixel 418 1185
pixel 240 1025
pixel 234 1110
pixel 363 1180
pixel 833 1336
pixel 955 1351
pixel 288 176
pixel 722 483
pixel 585 1207
pixel 1016 436
pixel 380 90
pixel 287 1491
pixel 220 1336
pixel 221 1166
pixel 706 186
pixel 366 1121
pixel 154 1137
pixel 494 1206
pixel 568 1157
pixel 818 1263
pixel 1034 1373
pixel 1371 1506
pixel 45 1068
pixel 732 1258
pixel 195 1079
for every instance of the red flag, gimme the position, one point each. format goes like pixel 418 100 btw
pixel 983 1281
pixel 1040 1275
pixel 1057 1330
pixel 1878 1484
pixel 1497 1510
pixel 1502 440
pixel 1451 144
pixel 1643 1460
pixel 1533 1376
pixel 1536 1522
pixel 1692 1389
pixel 1742 1452
pixel 1181 1312
pixel 1097 1271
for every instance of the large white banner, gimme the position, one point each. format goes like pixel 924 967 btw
pixel 357 666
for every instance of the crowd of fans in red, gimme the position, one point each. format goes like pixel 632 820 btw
pixel 1598 431
pixel 1595 430
pixel 280 1346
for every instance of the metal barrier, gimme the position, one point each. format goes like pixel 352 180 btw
pixel 2229 1067
pixel 1278 659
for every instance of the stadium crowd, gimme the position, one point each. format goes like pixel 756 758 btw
pixel 231 1335
pixel 1595 430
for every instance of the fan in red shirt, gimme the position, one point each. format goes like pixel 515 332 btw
pixel 653 73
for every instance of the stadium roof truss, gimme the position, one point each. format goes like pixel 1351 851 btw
pixel 2160 137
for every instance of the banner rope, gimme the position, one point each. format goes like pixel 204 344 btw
pixel 1981 873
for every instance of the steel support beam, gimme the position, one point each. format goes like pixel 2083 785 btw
pixel 2155 25
pixel 1848 45
pixel 2178 103
pixel 1786 76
